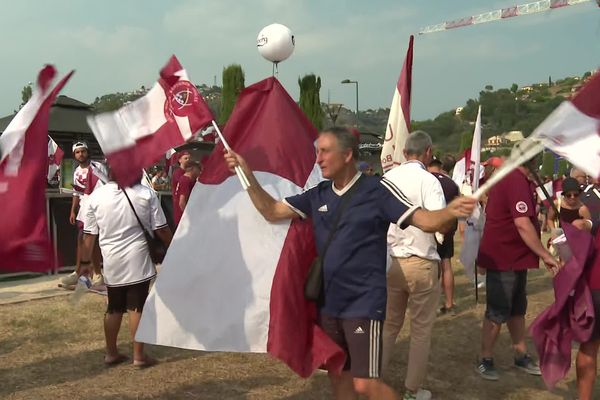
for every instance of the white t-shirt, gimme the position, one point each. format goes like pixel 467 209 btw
pixel 122 242
pixel 85 183
pixel 424 190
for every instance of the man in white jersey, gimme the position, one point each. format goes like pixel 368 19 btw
pixel 86 178
pixel 413 278
pixel 128 268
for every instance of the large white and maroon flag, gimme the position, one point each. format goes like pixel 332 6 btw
pixel 398 126
pixel 232 281
pixel 139 133
pixel 24 241
pixel 573 129
pixel 55 156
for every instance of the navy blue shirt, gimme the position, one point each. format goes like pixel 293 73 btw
pixel 354 267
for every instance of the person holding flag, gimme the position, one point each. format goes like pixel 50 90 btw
pixel 510 245
pixel 352 308
pixel 85 181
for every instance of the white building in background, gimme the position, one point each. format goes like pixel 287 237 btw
pixel 505 140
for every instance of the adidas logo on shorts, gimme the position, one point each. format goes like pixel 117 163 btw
pixel 359 330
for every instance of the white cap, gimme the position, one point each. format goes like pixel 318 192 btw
pixel 79 145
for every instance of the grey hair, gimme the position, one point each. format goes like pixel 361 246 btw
pixel 346 140
pixel 417 143
pixel 576 171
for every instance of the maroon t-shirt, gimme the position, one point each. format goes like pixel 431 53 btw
pixel 501 246
pixel 184 187
pixel 176 175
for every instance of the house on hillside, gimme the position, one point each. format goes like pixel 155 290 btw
pixel 494 143
pixel 505 140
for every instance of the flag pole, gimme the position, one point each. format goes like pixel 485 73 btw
pixel 521 153
pixel 238 170
pixel 538 181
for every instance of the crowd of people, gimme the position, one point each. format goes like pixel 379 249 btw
pixel 387 243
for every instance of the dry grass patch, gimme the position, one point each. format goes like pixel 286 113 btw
pixel 51 350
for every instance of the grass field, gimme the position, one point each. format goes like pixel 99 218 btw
pixel 52 350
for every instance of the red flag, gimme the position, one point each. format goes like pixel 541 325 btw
pixel 55 156
pixel 24 241
pixel 261 265
pixel 140 133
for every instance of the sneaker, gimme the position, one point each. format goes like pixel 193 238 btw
pixel 487 370
pixel 526 363
pixel 421 394
pixel 480 281
pixel 98 280
pixel 447 310
pixel 69 280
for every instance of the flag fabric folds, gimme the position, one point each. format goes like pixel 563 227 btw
pixel 24 240
pixel 55 156
pixel 232 281
pixel 571 316
pixel 573 129
pixel 398 126
pixel 138 134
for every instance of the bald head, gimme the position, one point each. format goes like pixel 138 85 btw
pixel 579 175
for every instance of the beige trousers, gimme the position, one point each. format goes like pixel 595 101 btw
pixel 412 283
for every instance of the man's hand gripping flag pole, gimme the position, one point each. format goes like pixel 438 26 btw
pixel 238 170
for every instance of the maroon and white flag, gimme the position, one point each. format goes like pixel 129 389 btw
pixel 24 241
pixel 246 292
pixel 573 129
pixel 398 126
pixel 138 134
pixel 55 156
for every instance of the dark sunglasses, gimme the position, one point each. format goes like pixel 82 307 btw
pixel 571 195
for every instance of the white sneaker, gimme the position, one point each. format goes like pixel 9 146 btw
pixel 97 280
pixel 69 280
pixel 480 281
pixel 421 394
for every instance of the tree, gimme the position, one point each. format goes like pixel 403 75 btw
pixel 514 88
pixel 310 102
pixel 489 87
pixel 587 74
pixel 26 94
pixel 466 139
pixel 563 167
pixel 233 84
pixel 548 164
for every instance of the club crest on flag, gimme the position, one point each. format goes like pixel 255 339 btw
pixel 180 100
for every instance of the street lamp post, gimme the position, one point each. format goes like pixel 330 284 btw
pixel 355 82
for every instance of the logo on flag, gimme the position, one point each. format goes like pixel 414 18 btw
pixel 180 100
pixel 138 134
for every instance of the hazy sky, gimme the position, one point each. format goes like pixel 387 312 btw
pixel 119 45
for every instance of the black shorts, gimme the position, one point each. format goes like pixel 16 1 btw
pixel 446 249
pixel 360 339
pixel 127 298
pixel 506 295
